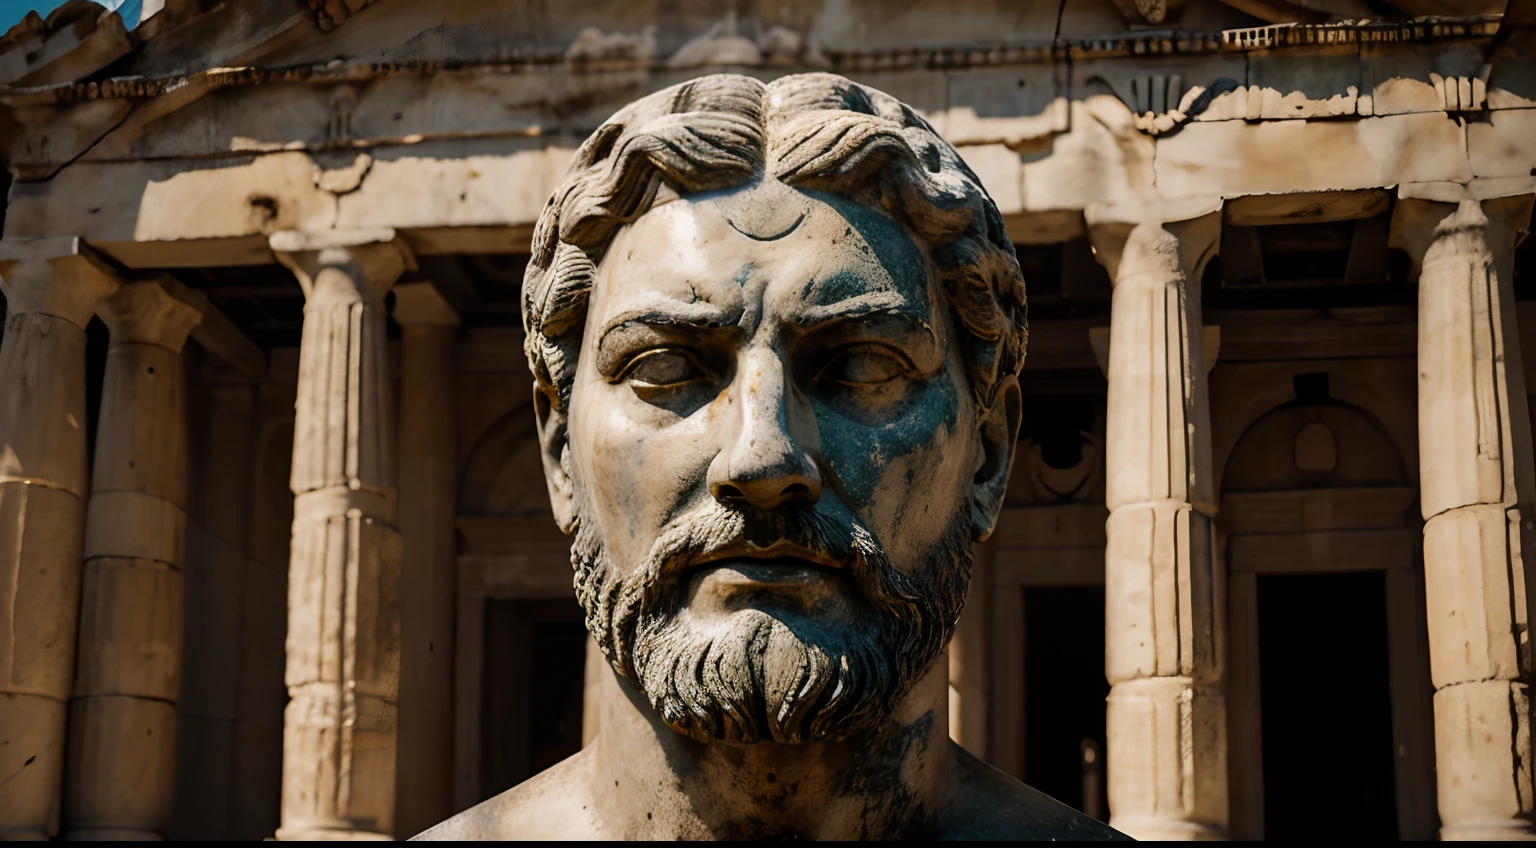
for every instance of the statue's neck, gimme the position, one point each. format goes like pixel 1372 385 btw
pixel 648 781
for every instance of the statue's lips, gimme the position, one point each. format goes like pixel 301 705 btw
pixel 781 562
pixel 761 570
pixel 781 554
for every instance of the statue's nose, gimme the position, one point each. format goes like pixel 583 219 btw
pixel 769 458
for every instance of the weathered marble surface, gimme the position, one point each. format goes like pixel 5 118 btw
pixel 776 332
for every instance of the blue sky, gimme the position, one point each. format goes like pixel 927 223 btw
pixel 12 11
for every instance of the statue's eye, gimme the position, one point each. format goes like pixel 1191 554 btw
pixel 664 368
pixel 865 365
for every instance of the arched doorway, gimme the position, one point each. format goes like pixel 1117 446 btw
pixel 1329 699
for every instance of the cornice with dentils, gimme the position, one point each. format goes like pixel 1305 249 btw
pixel 1140 43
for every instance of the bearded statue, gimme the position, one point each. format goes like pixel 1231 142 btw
pixel 776 331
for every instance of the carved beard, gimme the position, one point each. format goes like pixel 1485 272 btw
pixel 755 675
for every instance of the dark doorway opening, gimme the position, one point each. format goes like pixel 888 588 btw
pixel 535 660
pixel 1327 707
pixel 1064 691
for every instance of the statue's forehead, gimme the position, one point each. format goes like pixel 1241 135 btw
pixel 812 247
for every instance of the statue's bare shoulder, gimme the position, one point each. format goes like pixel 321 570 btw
pixel 554 804
pixel 994 805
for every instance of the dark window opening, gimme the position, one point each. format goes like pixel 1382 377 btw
pixel 1525 270
pixel 1064 733
pixel 1060 425
pixel 1311 388
pixel 1064 279
pixel 1326 704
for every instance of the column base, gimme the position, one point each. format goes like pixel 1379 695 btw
pixel 1167 760
pixel 112 834
pixel 1510 830
pixel 320 834
pixel 1145 829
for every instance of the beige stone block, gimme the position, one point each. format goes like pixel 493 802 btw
pixel 1231 158
pixel 1504 145
pixel 129 744
pixel 1160 597
pixel 1468 592
pixel 42 407
pixel 271 192
pixel 32 758
pixel 1309 83
pixel 143 431
pixel 166 200
pixel 135 525
pixel 40 573
pixel 130 630
pixel 1167 740
pixel 1482 750
pixel 1104 159
pixel 1000 172
pixel 211 648
pixel 204 777
pixel 468 187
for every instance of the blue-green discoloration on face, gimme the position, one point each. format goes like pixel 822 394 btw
pixel 811 371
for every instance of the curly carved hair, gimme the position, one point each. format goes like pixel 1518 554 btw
pixel 815 131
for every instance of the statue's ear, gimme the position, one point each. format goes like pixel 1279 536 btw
pixel 998 434
pixel 554 442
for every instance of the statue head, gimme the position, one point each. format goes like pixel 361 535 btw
pixel 776 331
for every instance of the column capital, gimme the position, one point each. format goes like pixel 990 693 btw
pixel 1423 217
pixel 32 270
pixel 422 304
pixel 370 260
pixel 156 312
pixel 1188 241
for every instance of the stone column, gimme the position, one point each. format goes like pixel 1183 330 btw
pixel 427 458
pixel 1476 488
pixel 969 658
pixel 343 647
pixel 52 287
pixel 121 771
pixel 1163 584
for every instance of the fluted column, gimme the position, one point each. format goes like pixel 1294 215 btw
pixel 120 776
pixel 52 287
pixel 343 644
pixel 1476 487
pixel 425 758
pixel 1167 752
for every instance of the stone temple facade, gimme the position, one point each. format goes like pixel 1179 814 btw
pixel 275 552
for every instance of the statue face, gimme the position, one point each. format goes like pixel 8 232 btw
pixel 773 448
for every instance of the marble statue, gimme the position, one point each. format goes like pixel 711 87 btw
pixel 776 331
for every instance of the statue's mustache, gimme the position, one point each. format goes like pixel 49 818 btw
pixel 716 533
